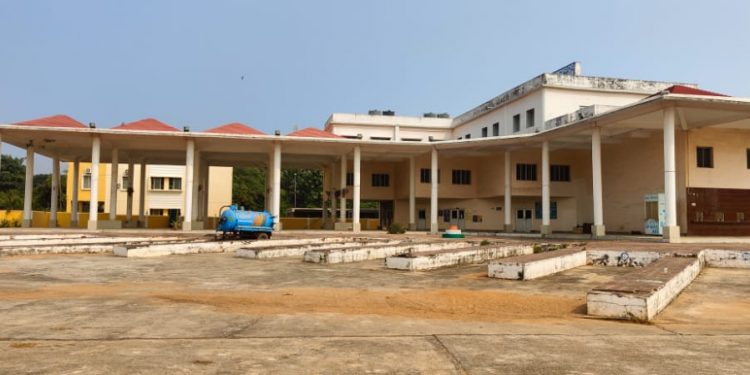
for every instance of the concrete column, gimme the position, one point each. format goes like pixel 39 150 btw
pixel 342 187
pixel 28 187
pixel 434 191
pixel 142 196
pixel 1 150
pixel 671 231
pixel 196 188
pixel 507 209
pixel 545 229
pixel 412 194
pixel 94 192
pixel 334 212
pixel 114 167
pixel 74 198
pixel 204 214
pixel 187 223
pixel 269 178
pixel 356 226
pixel 54 193
pixel 276 196
pixel 596 177
pixel 129 188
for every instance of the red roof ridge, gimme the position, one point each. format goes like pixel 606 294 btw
pixel 61 121
pixel 687 90
pixel 147 124
pixel 313 133
pixel 235 128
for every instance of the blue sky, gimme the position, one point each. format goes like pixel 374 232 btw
pixel 183 61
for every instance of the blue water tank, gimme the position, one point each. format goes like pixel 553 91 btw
pixel 233 219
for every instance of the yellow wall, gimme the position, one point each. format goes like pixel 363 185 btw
pixel 84 195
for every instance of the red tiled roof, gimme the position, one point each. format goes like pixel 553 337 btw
pixel 235 128
pixel 148 124
pixel 61 121
pixel 314 133
pixel 680 89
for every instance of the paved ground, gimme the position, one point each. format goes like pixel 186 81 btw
pixel 218 314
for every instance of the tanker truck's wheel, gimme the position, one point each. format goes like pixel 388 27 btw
pixel 263 236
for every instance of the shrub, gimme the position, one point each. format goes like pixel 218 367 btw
pixel 396 228
pixel 484 243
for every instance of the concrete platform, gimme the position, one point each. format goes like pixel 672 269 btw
pixel 643 293
pixel 280 251
pixel 622 258
pixel 363 253
pixel 181 248
pixel 446 258
pixel 532 266
pixel 727 258
pixel 87 245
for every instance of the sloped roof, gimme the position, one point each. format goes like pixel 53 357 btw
pixel 60 121
pixel 313 133
pixel 147 124
pixel 680 89
pixel 235 128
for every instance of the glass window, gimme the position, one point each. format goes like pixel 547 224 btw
pixel 125 179
pixel 86 182
pixel 380 180
pixel 705 157
pixel 530 118
pixel 552 210
pixel 461 177
pixel 425 175
pixel 560 173
pixel 516 123
pixel 496 129
pixel 484 132
pixel 175 183
pixel 350 179
pixel 526 172
pixel 157 183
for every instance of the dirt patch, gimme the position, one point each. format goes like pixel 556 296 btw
pixel 451 304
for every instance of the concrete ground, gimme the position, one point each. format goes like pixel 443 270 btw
pixel 215 313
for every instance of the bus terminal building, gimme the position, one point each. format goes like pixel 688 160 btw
pixel 561 152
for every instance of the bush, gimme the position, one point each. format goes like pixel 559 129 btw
pixel 484 243
pixel 396 228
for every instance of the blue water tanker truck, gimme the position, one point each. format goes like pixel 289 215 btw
pixel 237 222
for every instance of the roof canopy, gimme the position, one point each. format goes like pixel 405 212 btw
pixel 235 128
pixel 60 121
pixel 147 124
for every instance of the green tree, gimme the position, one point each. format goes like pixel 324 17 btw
pixel 42 195
pixel 301 186
pixel 249 188
pixel 12 175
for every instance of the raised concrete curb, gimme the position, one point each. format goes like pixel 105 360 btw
pixel 727 258
pixel 378 251
pixel 149 251
pixel 528 267
pixel 622 258
pixel 93 245
pixel 300 249
pixel 642 294
pixel 447 258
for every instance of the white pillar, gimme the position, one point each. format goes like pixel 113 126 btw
pixel 269 178
pixel 196 187
pixel 356 227
pixel 74 198
pixel 94 192
pixel 545 229
pixel 596 177
pixel 114 167
pixel 129 189
pixel 434 191
pixel 276 186
pixel 334 212
pixel 342 187
pixel 1 150
pixel 28 187
pixel 187 223
pixel 507 209
pixel 671 231
pixel 142 196
pixel 54 193
pixel 412 194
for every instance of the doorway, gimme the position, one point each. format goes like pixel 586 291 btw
pixel 386 214
pixel 422 219
pixel 523 220
pixel 457 218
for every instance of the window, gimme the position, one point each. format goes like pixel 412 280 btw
pixel 496 129
pixel 552 210
pixel 530 118
pixel 86 183
pixel 705 157
pixel 526 172
pixel 740 217
pixel 516 123
pixel 425 175
pixel 157 183
pixel 461 177
pixel 484 132
pixel 748 158
pixel 719 217
pixel 156 212
pixel 125 177
pixel 350 179
pixel 175 183
pixel 467 136
pixel 380 180
pixel 559 173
